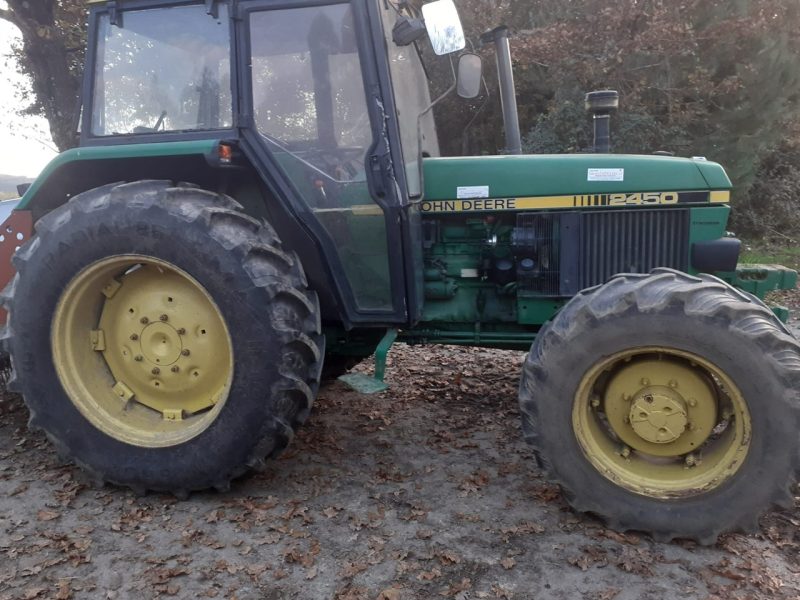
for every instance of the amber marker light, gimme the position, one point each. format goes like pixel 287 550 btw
pixel 225 154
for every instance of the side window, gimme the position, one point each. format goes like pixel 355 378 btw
pixel 310 108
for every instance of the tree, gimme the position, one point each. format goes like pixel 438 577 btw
pixel 711 77
pixel 51 55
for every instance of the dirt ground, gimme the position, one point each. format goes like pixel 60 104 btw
pixel 424 491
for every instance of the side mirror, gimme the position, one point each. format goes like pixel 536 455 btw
pixel 444 27
pixel 470 75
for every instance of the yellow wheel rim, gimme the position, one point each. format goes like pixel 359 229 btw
pixel 142 350
pixel 661 422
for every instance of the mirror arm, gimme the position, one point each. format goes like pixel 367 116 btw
pixel 430 107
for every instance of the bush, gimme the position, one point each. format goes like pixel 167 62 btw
pixel 771 209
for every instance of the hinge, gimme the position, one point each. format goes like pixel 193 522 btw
pixel 114 14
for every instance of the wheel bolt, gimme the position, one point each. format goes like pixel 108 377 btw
pixel 134 337
pixel 155 371
pixel 181 331
pixel 144 320
pixel 163 318
pixel 185 352
pixel 175 369
pixel 138 358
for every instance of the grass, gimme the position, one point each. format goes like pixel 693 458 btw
pixel 771 253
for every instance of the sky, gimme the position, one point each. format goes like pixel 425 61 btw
pixel 25 144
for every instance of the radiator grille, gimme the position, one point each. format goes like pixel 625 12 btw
pixel 538 244
pixel 631 241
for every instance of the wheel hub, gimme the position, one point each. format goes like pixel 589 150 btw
pixel 160 344
pixel 658 415
pixel 156 367
pixel 661 422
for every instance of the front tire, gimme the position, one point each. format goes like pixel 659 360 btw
pixel 161 338
pixel 666 403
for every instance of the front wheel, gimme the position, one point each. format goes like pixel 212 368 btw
pixel 161 338
pixel 666 403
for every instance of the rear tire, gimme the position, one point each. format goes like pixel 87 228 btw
pixel 255 291
pixel 719 339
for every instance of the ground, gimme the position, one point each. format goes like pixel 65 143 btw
pixel 424 491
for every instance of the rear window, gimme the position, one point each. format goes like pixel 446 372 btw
pixel 163 70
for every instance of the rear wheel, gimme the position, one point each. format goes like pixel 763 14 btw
pixel 161 338
pixel 678 412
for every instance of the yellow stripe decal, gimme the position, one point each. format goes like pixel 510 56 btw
pixel 581 201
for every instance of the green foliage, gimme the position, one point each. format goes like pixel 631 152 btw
pixel 771 211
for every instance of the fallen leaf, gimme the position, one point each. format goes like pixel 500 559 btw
pixel 47 515
pixel 508 563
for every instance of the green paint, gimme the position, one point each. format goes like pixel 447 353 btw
pixel 552 175
pixel 363 384
pixel 705 224
pixel 537 311
pixel 759 280
pixel 382 353
pixel 127 151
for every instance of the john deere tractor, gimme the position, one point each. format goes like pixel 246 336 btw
pixel 259 197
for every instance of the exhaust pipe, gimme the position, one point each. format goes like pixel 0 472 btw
pixel 601 105
pixel 508 95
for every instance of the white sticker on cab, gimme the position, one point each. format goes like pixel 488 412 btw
pixel 472 191
pixel 606 175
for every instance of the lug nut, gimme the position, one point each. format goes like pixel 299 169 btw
pixel 595 402
pixel 138 358
pixel 163 318
pixel 625 452
pixel 690 460
pixel 175 369
pixel 692 402
pixel 645 381
pixel 181 331
pixel 155 371
pixel 134 337
pixel 144 320
pixel 185 352
pixel 673 383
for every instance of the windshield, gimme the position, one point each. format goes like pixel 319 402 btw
pixel 163 69
pixel 412 98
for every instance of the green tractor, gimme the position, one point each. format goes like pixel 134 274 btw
pixel 259 198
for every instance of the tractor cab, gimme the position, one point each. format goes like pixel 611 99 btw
pixel 333 113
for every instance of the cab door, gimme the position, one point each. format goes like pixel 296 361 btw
pixel 312 108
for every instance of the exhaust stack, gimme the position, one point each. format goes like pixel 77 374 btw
pixel 601 105
pixel 508 96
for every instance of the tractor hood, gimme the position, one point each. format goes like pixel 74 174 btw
pixel 567 174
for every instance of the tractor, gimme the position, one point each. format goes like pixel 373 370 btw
pixel 259 200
